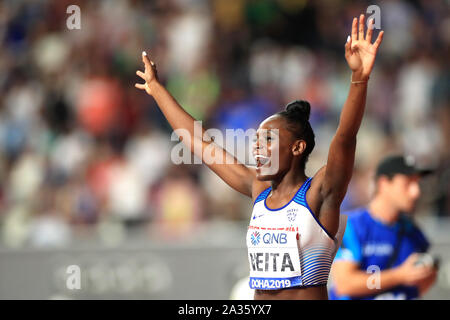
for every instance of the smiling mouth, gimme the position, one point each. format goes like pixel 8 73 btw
pixel 261 160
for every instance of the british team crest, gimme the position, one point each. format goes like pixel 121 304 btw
pixel 292 214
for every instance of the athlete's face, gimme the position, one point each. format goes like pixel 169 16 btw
pixel 403 191
pixel 274 148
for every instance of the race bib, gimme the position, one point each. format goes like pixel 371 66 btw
pixel 273 255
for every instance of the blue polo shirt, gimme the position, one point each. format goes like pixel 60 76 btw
pixel 369 242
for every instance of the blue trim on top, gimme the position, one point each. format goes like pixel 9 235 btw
pixel 262 195
pixel 301 199
pixel 298 191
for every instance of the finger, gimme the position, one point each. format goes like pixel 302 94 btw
pixel 412 258
pixel 370 31
pixel 140 86
pixel 354 26
pixel 379 39
pixel 140 74
pixel 348 46
pixel 145 59
pixel 361 27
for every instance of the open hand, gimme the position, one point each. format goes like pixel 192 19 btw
pixel 360 53
pixel 150 74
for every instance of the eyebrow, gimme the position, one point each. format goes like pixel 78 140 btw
pixel 274 131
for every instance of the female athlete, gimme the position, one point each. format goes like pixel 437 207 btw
pixel 291 238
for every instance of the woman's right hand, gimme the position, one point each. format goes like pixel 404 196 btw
pixel 150 75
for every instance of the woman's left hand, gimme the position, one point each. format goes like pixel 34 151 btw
pixel 360 53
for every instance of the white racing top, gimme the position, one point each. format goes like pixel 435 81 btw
pixel 288 247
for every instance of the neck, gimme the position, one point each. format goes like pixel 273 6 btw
pixel 290 181
pixel 380 208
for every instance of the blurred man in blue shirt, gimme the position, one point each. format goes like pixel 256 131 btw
pixel 382 255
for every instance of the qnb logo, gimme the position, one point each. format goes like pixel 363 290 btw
pixel 279 238
pixel 255 237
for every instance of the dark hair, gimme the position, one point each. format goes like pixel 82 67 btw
pixel 296 115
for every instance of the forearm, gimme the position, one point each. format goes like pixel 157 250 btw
pixel 188 129
pixel 342 148
pixel 177 117
pixel 353 111
pixel 194 136
pixel 191 132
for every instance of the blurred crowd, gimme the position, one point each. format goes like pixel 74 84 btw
pixel 82 150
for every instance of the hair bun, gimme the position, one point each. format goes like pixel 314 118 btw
pixel 300 108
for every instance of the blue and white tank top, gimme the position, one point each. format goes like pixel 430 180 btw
pixel 288 246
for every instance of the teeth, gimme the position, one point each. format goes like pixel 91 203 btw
pixel 261 159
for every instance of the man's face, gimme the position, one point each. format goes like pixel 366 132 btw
pixel 403 191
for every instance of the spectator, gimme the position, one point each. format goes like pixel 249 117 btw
pixel 382 235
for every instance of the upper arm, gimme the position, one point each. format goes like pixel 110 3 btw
pixel 339 169
pixel 330 183
pixel 324 203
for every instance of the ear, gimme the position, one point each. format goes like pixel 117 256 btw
pixel 382 182
pixel 298 147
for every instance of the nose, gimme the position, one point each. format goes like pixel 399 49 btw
pixel 256 146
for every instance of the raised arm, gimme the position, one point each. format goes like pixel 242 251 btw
pixel 235 174
pixel 360 55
